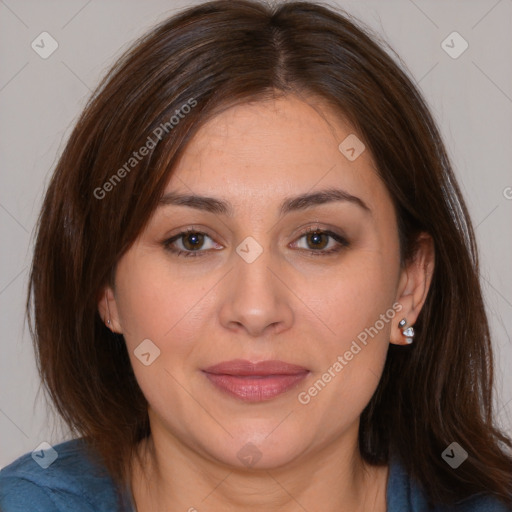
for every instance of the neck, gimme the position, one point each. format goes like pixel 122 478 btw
pixel 176 478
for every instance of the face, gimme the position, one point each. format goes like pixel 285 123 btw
pixel 313 284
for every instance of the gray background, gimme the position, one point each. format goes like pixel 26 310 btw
pixel 470 96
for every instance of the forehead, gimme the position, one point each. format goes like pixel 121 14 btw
pixel 269 149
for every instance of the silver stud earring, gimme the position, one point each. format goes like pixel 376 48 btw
pixel 407 332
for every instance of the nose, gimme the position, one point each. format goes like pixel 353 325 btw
pixel 257 299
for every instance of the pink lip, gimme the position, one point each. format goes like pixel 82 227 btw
pixel 255 382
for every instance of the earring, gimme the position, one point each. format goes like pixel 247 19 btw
pixel 408 332
pixel 108 309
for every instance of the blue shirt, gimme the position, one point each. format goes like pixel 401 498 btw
pixel 75 482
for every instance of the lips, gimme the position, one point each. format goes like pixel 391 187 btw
pixel 255 382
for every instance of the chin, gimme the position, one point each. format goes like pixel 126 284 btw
pixel 259 451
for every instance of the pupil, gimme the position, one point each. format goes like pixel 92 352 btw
pixel 316 237
pixel 196 240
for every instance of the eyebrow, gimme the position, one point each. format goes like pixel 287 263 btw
pixel 290 204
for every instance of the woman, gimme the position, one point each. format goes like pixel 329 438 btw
pixel 255 284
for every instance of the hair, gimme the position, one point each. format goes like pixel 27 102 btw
pixel 216 55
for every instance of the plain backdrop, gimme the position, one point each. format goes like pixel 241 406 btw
pixel 40 99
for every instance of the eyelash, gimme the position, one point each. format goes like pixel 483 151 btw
pixel 342 243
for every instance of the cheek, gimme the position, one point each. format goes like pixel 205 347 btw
pixel 357 295
pixel 357 312
pixel 153 306
pixel 153 299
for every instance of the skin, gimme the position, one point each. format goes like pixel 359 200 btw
pixel 288 304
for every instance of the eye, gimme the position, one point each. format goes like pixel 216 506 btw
pixel 191 241
pixel 318 239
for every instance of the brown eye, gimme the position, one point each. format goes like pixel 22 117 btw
pixel 317 239
pixel 193 241
pixel 190 243
pixel 319 242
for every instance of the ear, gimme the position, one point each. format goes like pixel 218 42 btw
pixel 107 307
pixel 413 286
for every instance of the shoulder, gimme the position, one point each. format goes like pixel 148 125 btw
pixel 60 478
pixel 406 495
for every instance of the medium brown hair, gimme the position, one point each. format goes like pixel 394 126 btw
pixel 219 54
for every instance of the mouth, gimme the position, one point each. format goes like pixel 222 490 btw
pixel 255 382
